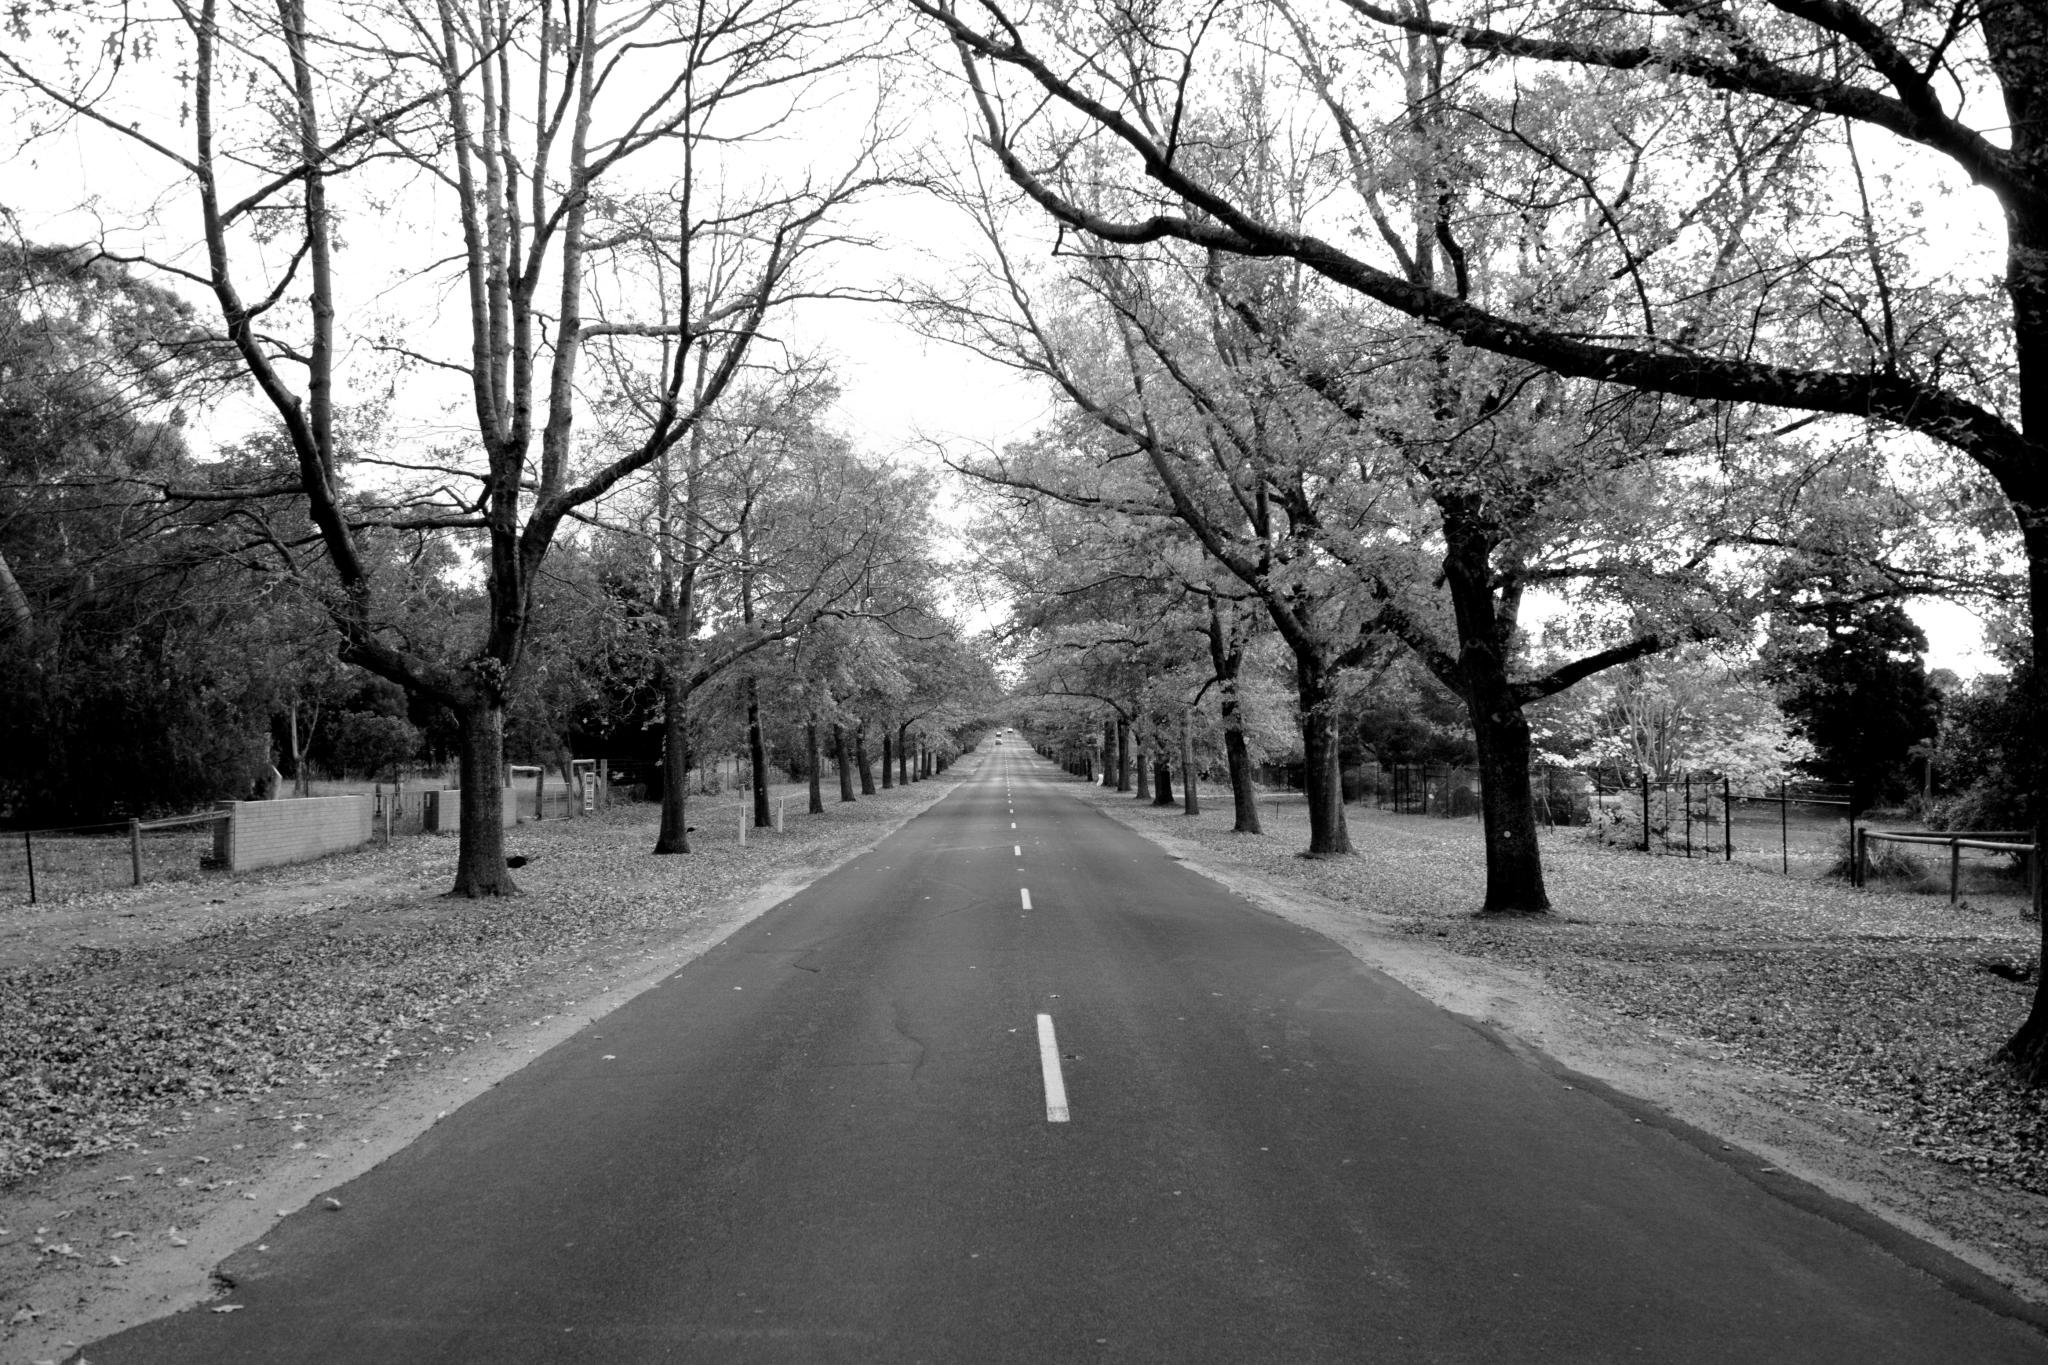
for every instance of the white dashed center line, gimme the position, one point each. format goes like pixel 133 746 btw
pixel 1017 849
pixel 1026 894
pixel 1049 1063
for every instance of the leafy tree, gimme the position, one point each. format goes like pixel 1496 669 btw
pixel 1679 713
pixel 132 677
pixel 1403 715
pixel 1987 762
pixel 1839 297
pixel 1852 678
pixel 1361 481
pixel 367 744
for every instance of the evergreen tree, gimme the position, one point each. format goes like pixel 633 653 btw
pixel 1854 683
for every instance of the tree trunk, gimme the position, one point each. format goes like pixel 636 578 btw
pixel 1123 754
pixel 1514 860
pixel 888 760
pixel 817 762
pixel 2016 35
pixel 903 753
pixel 842 762
pixel 1226 653
pixel 757 756
pixel 480 850
pixel 1191 801
pixel 674 836
pixel 302 781
pixel 1108 754
pixel 1162 776
pixel 1244 802
pixel 1316 690
pixel 2027 1049
pixel 15 612
pixel 1144 782
pixel 860 759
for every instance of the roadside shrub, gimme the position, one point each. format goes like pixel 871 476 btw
pixel 1886 861
pixel 1617 820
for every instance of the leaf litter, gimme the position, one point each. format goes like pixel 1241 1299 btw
pixel 147 1025
pixel 100 1049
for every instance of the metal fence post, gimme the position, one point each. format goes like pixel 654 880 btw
pixel 1646 812
pixel 1688 816
pixel 135 849
pixel 1784 833
pixel 1727 822
pixel 1955 869
pixel 28 850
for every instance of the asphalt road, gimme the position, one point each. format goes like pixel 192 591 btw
pixel 829 1139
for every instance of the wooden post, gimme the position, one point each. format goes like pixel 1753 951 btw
pixel 1646 811
pixel 743 824
pixel 780 807
pixel 135 849
pixel 604 784
pixel 28 852
pixel 1859 841
pixel 1955 869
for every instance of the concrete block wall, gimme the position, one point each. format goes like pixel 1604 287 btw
pixel 270 833
pixel 444 811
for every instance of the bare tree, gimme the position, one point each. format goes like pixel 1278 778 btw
pixel 525 128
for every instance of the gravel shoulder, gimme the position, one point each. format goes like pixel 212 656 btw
pixel 182 1065
pixel 1840 1036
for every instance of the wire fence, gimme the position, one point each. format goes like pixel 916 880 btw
pixel 1797 829
pixel 40 865
pixel 1806 830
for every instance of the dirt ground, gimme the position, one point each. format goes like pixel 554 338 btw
pixel 89 1245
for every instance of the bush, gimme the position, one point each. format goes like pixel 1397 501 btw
pixel 1617 820
pixel 1885 861
pixel 1990 805
pixel 368 745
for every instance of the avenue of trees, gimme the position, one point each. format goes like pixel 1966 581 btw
pixel 162 650
pixel 1700 228
pixel 1515 384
